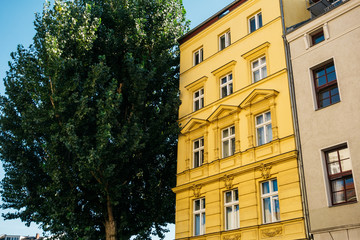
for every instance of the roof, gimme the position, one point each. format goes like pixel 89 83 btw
pixel 208 22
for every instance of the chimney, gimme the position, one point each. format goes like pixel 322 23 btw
pixel 37 236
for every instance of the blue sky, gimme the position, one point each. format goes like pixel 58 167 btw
pixel 16 27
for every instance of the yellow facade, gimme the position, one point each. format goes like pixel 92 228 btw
pixel 251 163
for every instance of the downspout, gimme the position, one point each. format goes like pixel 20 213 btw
pixel 296 127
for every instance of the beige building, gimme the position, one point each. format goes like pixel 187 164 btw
pixel 326 74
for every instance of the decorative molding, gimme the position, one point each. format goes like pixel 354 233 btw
pixel 196 189
pixel 265 170
pixel 271 232
pixel 228 181
pixel 232 237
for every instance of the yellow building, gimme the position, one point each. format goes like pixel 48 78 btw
pixel 237 172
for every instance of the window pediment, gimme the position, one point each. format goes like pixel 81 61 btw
pixel 196 84
pixel 222 111
pixel 257 96
pixel 193 124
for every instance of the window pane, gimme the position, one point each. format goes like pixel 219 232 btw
pixel 263 72
pixel 196 144
pixel 276 209
pixel 232 146
pixel 267 116
pixel 320 73
pixel 228 217
pixel 232 130
pixel 197 106
pixel 197 224
pixel 236 195
pixel 228 197
pixel 319 38
pixel 201 161
pixel 203 223
pixel 202 103
pixel 346 165
pixel 223 92
pixel 344 153
pixel 197 205
pixel 349 183
pixel 266 187
pixel 263 60
pixel 337 185
pixel 255 64
pixel 259 119
pixel 267 210
pixel 230 76
pixel 222 42
pixel 256 75
pixel 350 195
pixel 324 95
pixel 333 156
pixel 236 218
pixel 252 24
pixel 226 148
pixel 260 20
pixel 260 136
pixel 274 185
pixel 225 133
pixel 202 142
pixel 339 197
pixel 196 159
pixel 334 168
pixel 203 203
pixel 331 76
pixel 268 133
pixel 321 81
pixel 223 80
pixel 334 91
pixel 330 68
pixel 325 102
pixel 230 88
pixel 335 99
pixel 196 94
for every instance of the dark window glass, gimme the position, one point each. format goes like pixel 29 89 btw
pixel 318 37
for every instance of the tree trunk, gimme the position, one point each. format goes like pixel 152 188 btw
pixel 110 224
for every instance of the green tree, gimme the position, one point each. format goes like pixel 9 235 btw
pixel 88 127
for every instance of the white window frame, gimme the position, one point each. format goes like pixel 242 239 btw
pixel 201 213
pixel 199 150
pixel 227 38
pixel 228 85
pixel 228 139
pixel 257 22
pixel 199 99
pixel 199 56
pixel 234 215
pixel 273 196
pixel 263 126
pixel 259 68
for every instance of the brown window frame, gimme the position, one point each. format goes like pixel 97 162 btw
pixel 327 87
pixel 315 35
pixel 342 175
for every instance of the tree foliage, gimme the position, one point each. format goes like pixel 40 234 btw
pixel 88 126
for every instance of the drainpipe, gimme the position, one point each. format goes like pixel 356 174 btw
pixel 296 127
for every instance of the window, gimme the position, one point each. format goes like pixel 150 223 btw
pixel 263 128
pixel 326 87
pixel 270 201
pixel 224 40
pixel 198 56
pixel 199 217
pixel 198 151
pixel 255 22
pixel 228 141
pixel 258 69
pixel 226 85
pixel 198 99
pixel 340 175
pixel 317 37
pixel 232 210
